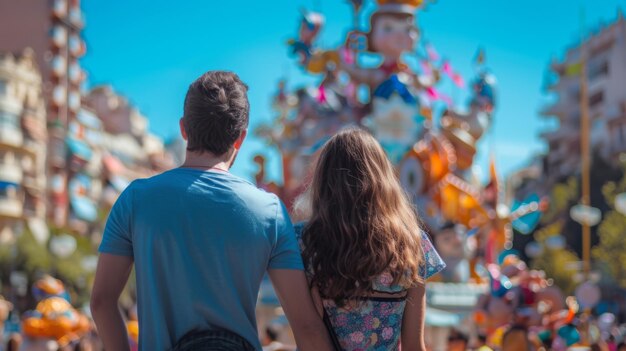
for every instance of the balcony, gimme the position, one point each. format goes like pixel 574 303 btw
pixel 11 137
pixel 564 132
pixel 563 84
pixel 597 84
pixel 559 155
pixel 10 208
pixel 559 108
pixel 76 17
pixel 10 172
pixel 34 183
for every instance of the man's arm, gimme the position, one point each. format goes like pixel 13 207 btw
pixel 293 292
pixel 111 277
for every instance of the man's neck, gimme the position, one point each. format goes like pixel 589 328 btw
pixel 207 160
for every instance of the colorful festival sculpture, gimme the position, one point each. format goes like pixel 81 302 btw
pixel 432 143
pixel 398 99
pixel 54 318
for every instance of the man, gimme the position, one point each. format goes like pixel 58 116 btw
pixel 201 240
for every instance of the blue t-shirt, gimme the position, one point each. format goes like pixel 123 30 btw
pixel 201 243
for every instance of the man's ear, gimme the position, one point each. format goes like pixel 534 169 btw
pixel 239 140
pixel 181 125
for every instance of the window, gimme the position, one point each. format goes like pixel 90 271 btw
pixel 596 99
pixel 599 70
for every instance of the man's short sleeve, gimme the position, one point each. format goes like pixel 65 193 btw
pixel 117 239
pixel 285 253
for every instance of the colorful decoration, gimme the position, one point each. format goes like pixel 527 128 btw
pixel 49 287
pixel 54 317
pixel 433 148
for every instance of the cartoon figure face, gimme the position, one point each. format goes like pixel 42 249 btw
pixel 449 243
pixel 393 35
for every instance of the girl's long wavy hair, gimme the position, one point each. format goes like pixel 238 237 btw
pixel 361 222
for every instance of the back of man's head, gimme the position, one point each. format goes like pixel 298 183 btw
pixel 216 112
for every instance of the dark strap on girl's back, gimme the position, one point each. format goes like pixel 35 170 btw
pixel 331 332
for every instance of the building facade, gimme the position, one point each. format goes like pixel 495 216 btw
pixel 605 51
pixel 23 139
pixel 93 143
pixel 53 30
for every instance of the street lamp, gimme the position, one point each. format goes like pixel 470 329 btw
pixel 586 215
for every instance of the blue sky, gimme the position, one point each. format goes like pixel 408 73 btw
pixel 151 50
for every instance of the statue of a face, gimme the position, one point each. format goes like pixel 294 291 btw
pixel 392 35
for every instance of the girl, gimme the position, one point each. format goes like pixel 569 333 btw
pixel 366 257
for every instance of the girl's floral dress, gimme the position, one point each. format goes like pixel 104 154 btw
pixel 375 322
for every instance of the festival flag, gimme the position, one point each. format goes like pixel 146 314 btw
pixel 347 56
pixel 321 94
pixel 433 55
pixel 433 94
pixel 426 67
pixel 458 80
pixel 446 68
pixel 573 69
pixel 479 58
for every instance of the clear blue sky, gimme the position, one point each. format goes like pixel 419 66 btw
pixel 151 50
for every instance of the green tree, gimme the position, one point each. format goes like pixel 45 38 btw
pixel 611 250
pixel 558 263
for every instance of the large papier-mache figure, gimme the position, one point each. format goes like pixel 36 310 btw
pixel 386 80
